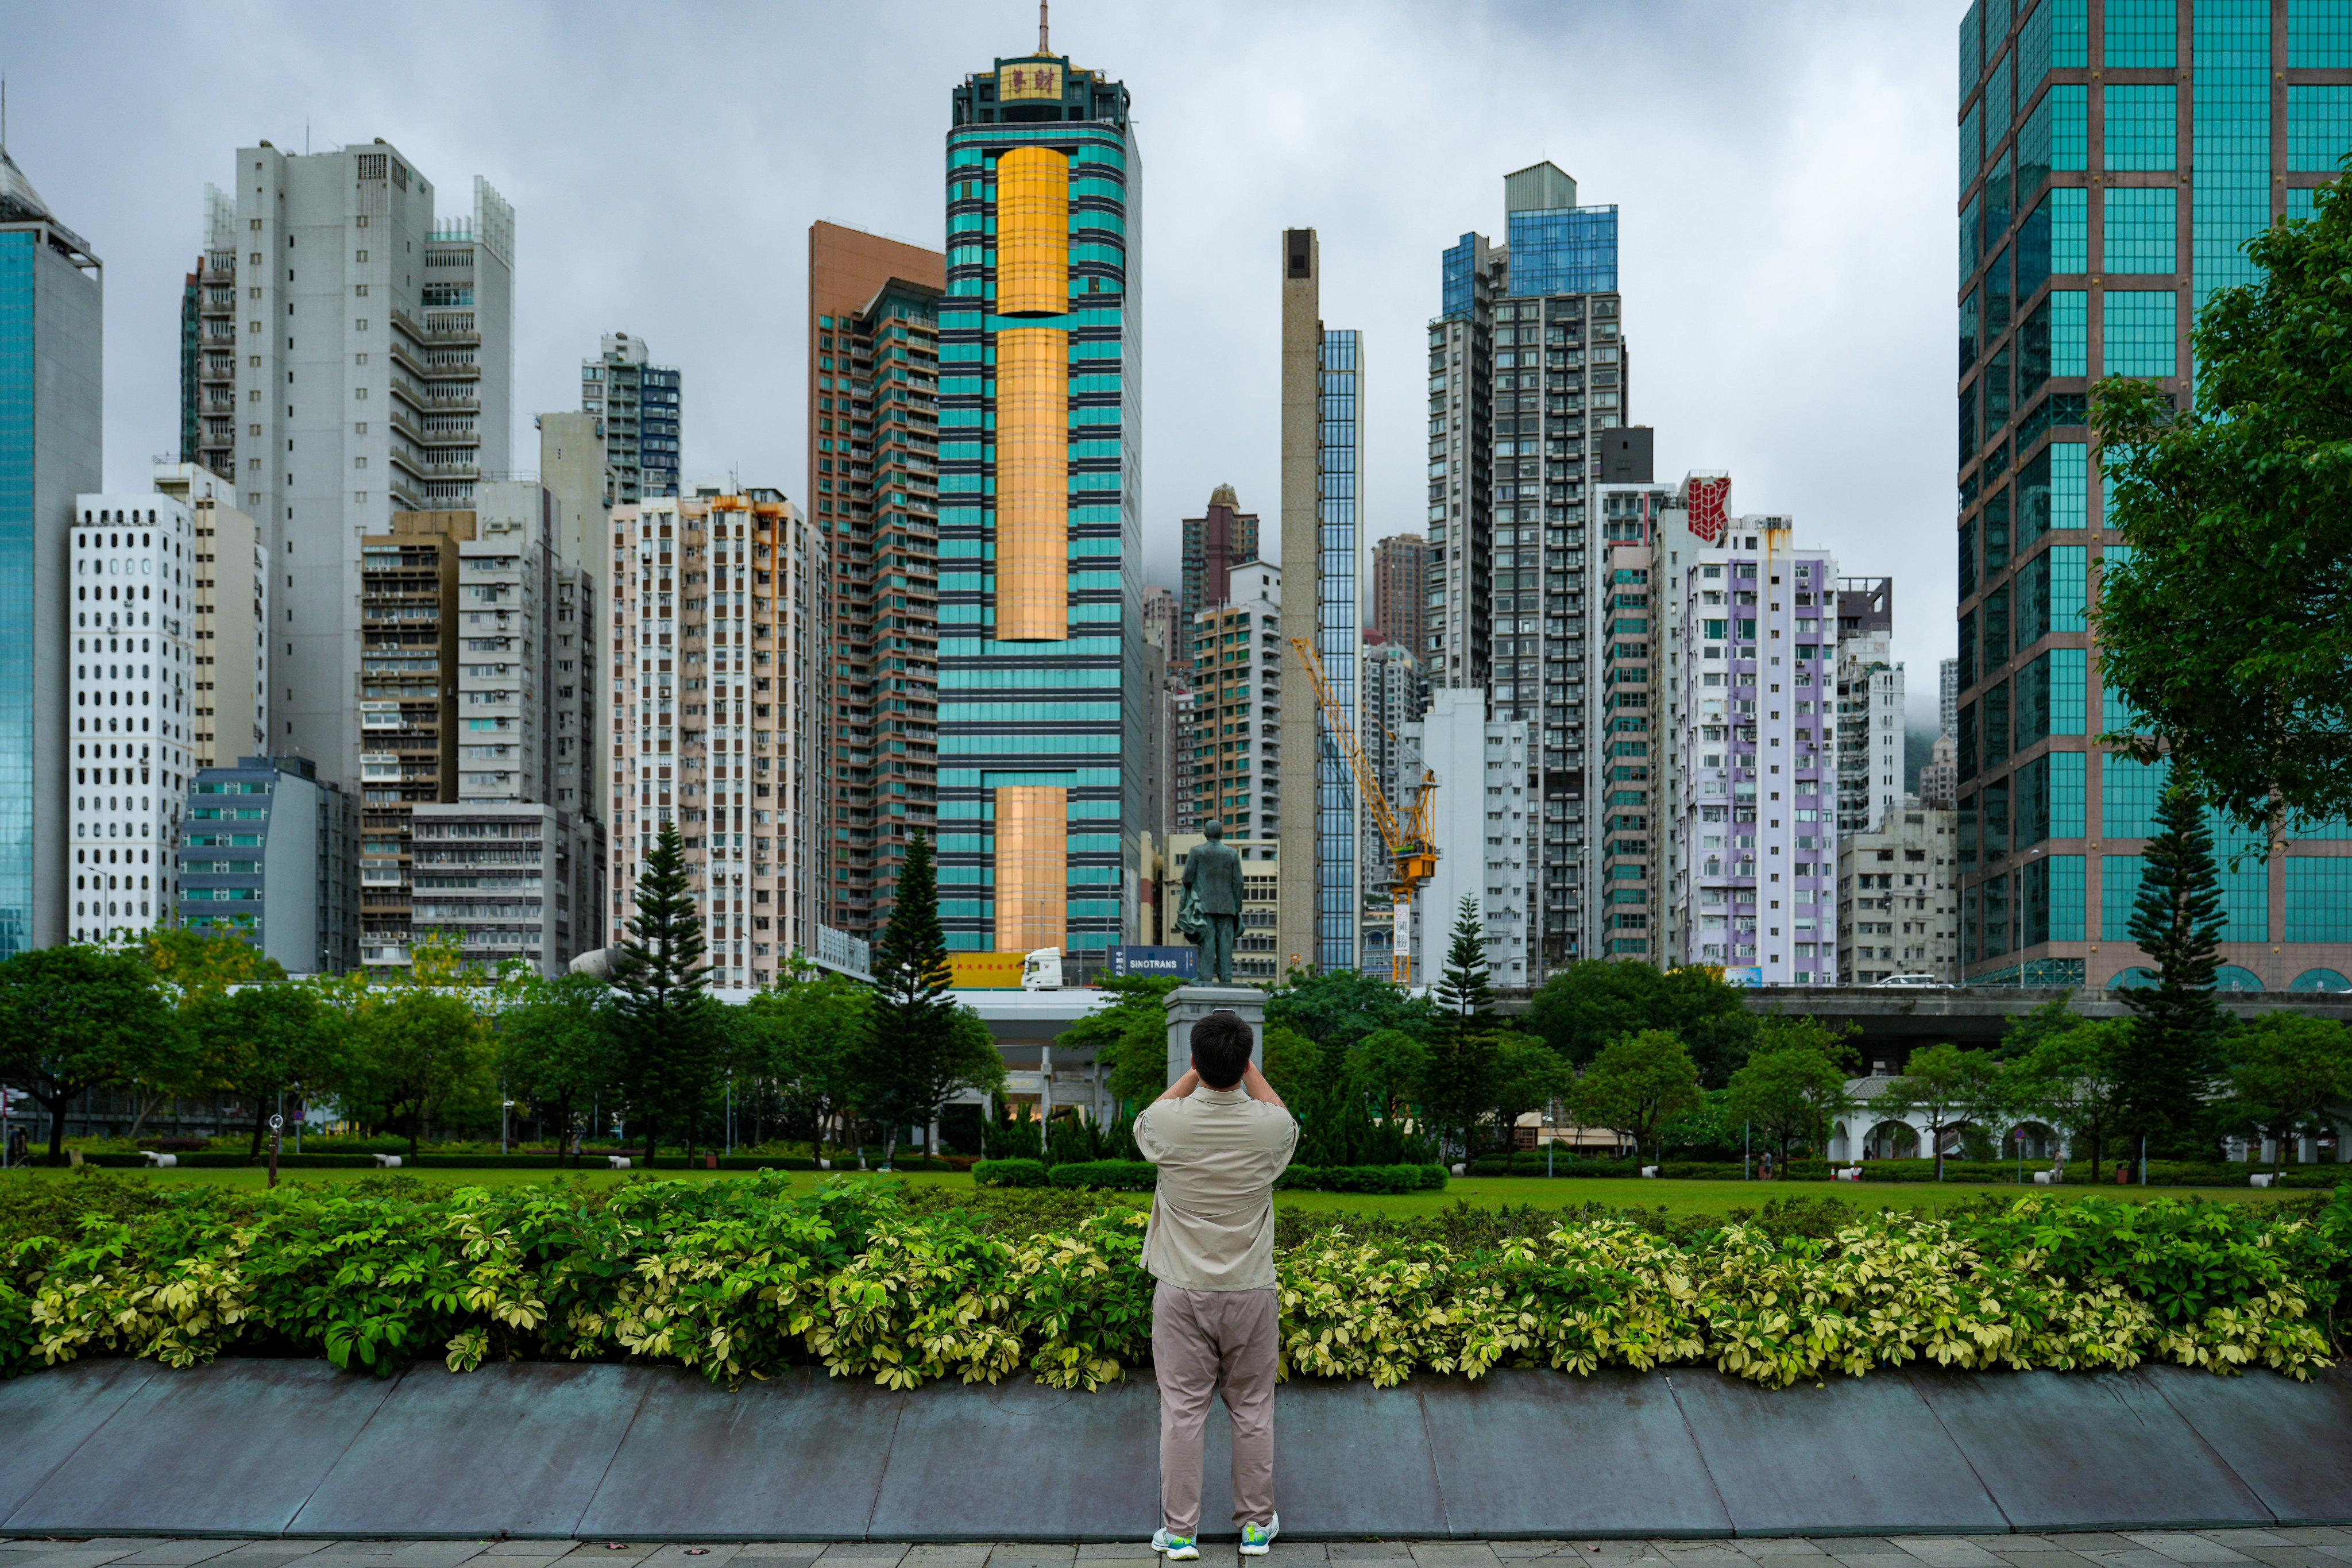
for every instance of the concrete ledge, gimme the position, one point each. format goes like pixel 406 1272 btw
pixel 270 1449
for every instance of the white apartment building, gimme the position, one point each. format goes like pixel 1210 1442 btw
pixel 1869 707
pixel 229 573
pixel 1483 820
pixel 1229 751
pixel 132 560
pixel 720 603
pixel 374 366
pixel 1747 875
pixel 1898 899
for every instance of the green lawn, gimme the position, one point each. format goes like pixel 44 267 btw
pixel 1674 1197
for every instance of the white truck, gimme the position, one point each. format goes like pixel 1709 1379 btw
pixel 1042 970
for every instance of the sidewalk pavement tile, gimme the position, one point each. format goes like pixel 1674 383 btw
pixel 713 1553
pixel 1454 1554
pixel 1509 1549
pixel 1139 1550
pixel 74 1556
pixel 174 1554
pixel 1948 1551
pixel 1344 1551
pixel 1299 1553
pixel 2243 1537
pixel 799 1550
pixel 2314 1535
pixel 1796 1560
pixel 946 1554
pixel 864 1552
pixel 1032 1554
pixel 1760 1547
pixel 2046 1558
pixel 2185 1546
pixel 1881 1558
pixel 2295 1556
pixel 433 1553
pixel 547 1549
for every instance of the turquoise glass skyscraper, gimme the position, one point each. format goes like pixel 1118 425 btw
pixel 1041 717
pixel 51 293
pixel 2116 156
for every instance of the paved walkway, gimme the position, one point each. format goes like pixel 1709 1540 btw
pixel 2317 1547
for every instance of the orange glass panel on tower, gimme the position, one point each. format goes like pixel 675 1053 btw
pixel 1032 867
pixel 1032 232
pixel 1033 468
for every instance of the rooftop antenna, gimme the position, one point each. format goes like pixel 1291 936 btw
pixel 1042 48
pixel 4 114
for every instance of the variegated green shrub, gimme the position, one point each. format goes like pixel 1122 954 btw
pixel 742 1279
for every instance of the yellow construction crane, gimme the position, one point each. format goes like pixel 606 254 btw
pixel 1412 857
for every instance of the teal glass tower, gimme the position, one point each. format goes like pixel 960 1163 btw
pixel 1041 717
pixel 2116 155
pixel 1339 631
pixel 51 295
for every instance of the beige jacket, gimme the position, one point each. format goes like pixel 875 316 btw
pixel 1213 1214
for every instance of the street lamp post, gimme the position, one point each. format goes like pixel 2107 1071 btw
pixel 277 1129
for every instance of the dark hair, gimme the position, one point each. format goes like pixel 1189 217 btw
pixel 1220 1048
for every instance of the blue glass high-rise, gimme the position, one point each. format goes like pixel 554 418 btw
pixel 51 298
pixel 1339 622
pixel 2084 256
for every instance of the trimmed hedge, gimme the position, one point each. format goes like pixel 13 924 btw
pixel 2160 1173
pixel 1141 1176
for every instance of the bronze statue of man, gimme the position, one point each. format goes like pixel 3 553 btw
pixel 1212 900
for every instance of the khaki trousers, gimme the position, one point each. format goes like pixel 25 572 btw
pixel 1202 1342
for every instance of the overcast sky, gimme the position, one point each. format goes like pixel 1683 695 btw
pixel 1784 174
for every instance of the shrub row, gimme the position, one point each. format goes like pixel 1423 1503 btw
pixel 2160 1173
pixel 1141 1176
pixel 740 1278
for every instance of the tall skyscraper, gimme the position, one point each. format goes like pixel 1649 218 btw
pixel 873 451
pixel 1338 634
pixel 639 402
pixel 1041 710
pixel 208 343
pixel 720 605
pixel 1401 592
pixel 1300 554
pixel 375 367
pixel 52 289
pixel 1947 696
pixel 2113 161
pixel 1529 372
pixel 1222 538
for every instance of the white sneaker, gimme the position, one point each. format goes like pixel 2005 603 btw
pixel 1257 1538
pixel 1176 1548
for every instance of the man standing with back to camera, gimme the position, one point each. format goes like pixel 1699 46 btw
pixel 1220 1136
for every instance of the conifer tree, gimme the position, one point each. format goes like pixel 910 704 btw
pixel 921 1049
pixel 1465 998
pixel 2176 1033
pixel 665 1020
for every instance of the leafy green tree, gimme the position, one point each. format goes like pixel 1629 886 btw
pixel 1464 996
pixel 1457 1083
pixel 1581 1008
pixel 1953 1089
pixel 2072 1077
pixel 1338 1007
pixel 2283 1070
pixel 76 1019
pixel 1292 1063
pixel 555 1046
pixel 192 969
pixel 419 1050
pixel 1792 1087
pixel 263 1041
pixel 803 1035
pixel 1385 1068
pixel 1130 1036
pixel 2176 1034
pixel 2226 631
pixel 918 1052
pixel 2022 1032
pixel 669 1030
pixel 1529 1076
pixel 1637 1085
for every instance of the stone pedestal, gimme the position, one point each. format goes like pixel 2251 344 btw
pixel 1187 1005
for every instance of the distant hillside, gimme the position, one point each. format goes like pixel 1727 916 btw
pixel 1916 744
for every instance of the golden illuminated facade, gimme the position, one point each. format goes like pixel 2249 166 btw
pixel 1043 802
